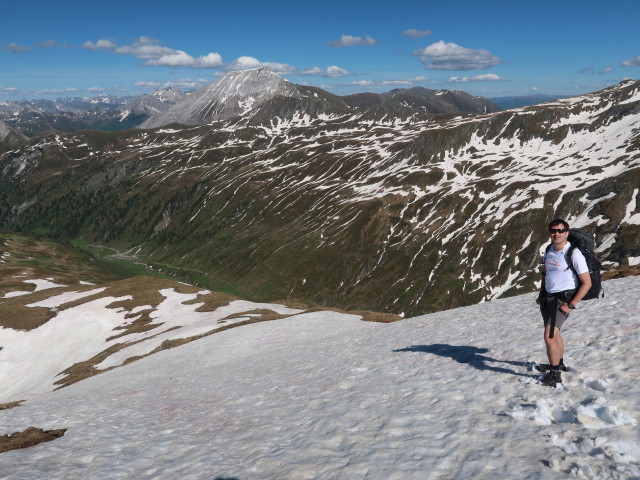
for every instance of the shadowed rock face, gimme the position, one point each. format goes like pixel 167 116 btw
pixel 353 209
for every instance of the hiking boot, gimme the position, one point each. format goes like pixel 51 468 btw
pixel 545 367
pixel 551 378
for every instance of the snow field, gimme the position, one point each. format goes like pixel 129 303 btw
pixel 324 395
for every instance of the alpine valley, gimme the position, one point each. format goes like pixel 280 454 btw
pixel 407 202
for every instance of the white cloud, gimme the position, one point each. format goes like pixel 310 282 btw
pixel 248 63
pixel 363 82
pixel 15 48
pixel 47 44
pixel 396 82
pixel 209 60
pixel 178 58
pixel 148 84
pixel 330 72
pixel 489 77
pixel 413 33
pixel 406 82
pixel 279 68
pixel 145 48
pixel 244 63
pixel 632 62
pixel 188 83
pixel 593 70
pixel 95 89
pixel 149 49
pixel 349 41
pixel 57 91
pixel 8 90
pixel 102 44
pixel 450 56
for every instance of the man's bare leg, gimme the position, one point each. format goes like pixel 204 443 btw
pixel 555 345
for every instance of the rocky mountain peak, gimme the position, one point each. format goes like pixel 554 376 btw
pixel 251 82
pixel 233 94
pixel 168 94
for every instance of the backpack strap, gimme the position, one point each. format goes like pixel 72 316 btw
pixel 569 259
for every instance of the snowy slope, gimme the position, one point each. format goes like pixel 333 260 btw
pixel 323 395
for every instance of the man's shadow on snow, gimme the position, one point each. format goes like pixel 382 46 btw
pixel 468 355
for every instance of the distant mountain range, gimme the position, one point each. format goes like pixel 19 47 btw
pixel 216 102
pixel 260 94
pixel 104 112
pixel 211 103
pixel 385 202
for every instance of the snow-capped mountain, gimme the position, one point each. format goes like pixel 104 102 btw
pixel 349 209
pixel 146 106
pixel 234 94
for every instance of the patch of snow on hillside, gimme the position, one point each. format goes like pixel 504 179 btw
pixel 66 297
pixel 630 217
pixel 41 284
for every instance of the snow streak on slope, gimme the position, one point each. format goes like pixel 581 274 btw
pixel 447 395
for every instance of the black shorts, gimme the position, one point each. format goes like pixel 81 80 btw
pixel 550 304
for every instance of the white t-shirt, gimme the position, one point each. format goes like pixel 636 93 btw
pixel 559 277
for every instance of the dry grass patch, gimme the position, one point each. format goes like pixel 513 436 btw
pixel 378 317
pixel 259 315
pixel 366 315
pixel 43 258
pixel 298 303
pixel 6 406
pixel 28 438
pixel 16 315
pixel 212 301
pixel 621 272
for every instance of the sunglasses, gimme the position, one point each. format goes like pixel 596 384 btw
pixel 558 230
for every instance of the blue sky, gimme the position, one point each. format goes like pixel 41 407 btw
pixel 494 48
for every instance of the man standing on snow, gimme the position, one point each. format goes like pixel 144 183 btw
pixel 560 293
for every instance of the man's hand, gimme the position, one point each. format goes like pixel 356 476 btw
pixel 564 308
